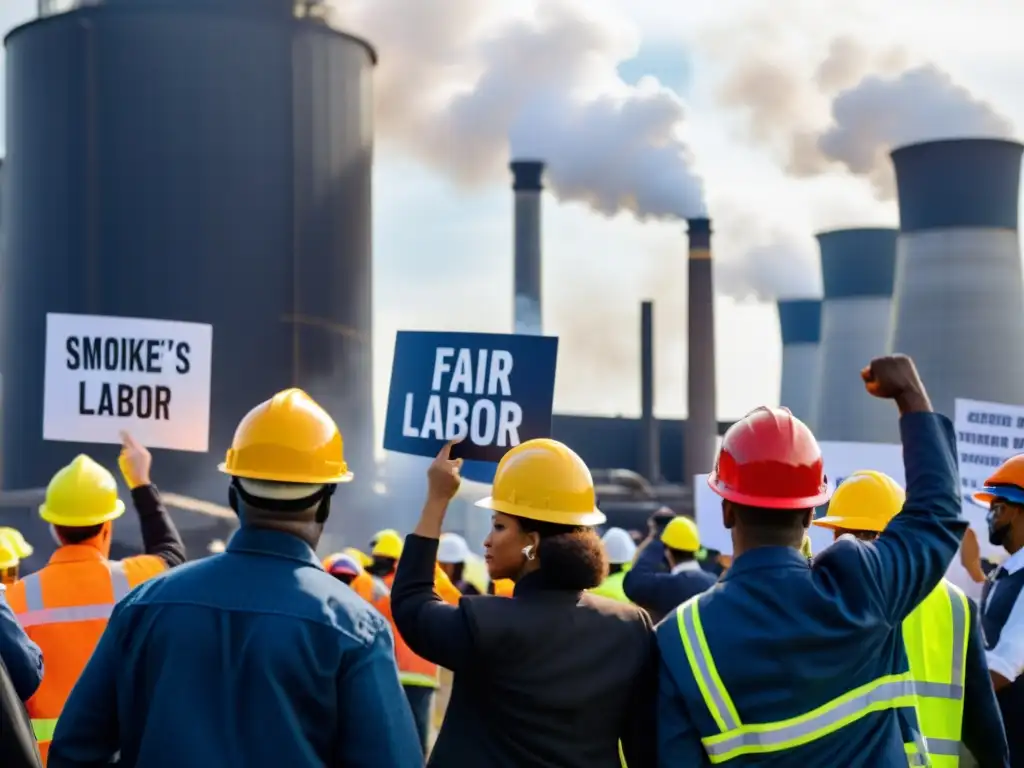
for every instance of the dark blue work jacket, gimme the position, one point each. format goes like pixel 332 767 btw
pixel 254 657
pixel 788 636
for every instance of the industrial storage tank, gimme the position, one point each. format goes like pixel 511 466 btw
pixel 959 301
pixel 199 161
pixel 800 325
pixel 857 269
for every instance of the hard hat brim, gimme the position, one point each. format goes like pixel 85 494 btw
pixel 275 477
pixel 767 502
pixel 990 493
pixel 74 521
pixel 589 518
pixel 848 524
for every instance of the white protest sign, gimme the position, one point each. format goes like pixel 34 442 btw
pixel 107 374
pixel 987 434
pixel 841 460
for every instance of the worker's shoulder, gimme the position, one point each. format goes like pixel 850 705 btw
pixel 612 608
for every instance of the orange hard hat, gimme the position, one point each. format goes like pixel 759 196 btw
pixel 770 459
pixel 1006 482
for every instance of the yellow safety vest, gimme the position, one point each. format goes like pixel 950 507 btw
pixel 735 739
pixel 935 636
pixel 612 587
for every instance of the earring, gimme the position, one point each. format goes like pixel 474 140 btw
pixel 528 552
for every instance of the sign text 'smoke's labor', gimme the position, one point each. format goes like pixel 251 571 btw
pixel 106 374
pixel 490 391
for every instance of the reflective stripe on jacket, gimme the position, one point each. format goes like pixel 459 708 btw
pixel 736 739
pixel 935 637
pixel 64 608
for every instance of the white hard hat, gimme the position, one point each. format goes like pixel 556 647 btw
pixel 619 546
pixel 452 549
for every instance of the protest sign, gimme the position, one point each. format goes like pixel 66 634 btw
pixel 987 434
pixel 841 460
pixel 492 391
pixel 107 374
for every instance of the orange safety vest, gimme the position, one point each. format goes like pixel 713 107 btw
pixel 64 608
pixel 413 669
pixel 504 587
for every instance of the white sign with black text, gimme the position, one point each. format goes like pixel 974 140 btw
pixel 108 374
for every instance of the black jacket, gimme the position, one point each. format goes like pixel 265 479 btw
pixel 17 743
pixel 546 679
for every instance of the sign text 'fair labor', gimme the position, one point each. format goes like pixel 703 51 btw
pixel 490 391
pixel 106 374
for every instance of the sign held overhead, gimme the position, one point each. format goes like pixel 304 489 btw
pixel 108 374
pixel 492 391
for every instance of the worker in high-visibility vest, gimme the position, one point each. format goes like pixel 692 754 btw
pixel 65 606
pixel 788 661
pixel 619 548
pixel 942 637
pixel 21 656
pixel 254 656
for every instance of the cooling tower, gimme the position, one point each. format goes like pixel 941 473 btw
pixel 857 267
pixel 199 161
pixel 959 303
pixel 527 184
pixel 800 324
pixel 701 424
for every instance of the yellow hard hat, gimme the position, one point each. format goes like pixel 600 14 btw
pixel 8 557
pixel 358 555
pixel 387 543
pixel 288 439
pixel 547 481
pixel 81 494
pixel 13 537
pixel 681 533
pixel 865 501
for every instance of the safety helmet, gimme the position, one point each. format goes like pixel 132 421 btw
pixel 359 556
pixel 343 565
pixel 547 481
pixel 681 533
pixel 865 501
pixel 618 546
pixel 452 549
pixel 770 459
pixel 288 439
pixel 1007 482
pixel 387 543
pixel 8 557
pixel 16 542
pixel 81 494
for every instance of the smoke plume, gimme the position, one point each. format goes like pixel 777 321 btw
pixel 461 87
pixel 856 107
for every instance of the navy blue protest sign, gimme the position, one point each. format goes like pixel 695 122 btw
pixel 491 390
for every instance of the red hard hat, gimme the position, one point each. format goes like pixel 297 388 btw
pixel 770 459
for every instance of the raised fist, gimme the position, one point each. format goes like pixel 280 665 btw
pixel 892 377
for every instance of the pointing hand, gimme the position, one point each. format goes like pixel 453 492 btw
pixel 134 461
pixel 443 478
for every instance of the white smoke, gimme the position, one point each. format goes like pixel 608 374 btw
pixel 461 86
pixel 857 106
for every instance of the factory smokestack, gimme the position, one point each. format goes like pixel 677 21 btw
pixel 959 303
pixel 527 184
pixel 701 415
pixel 800 324
pixel 650 451
pixel 857 269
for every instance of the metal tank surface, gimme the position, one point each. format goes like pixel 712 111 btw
pixel 800 324
pixel 199 161
pixel 959 300
pixel 857 267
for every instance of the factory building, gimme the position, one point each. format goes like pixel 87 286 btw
pixel 800 327
pixel 959 302
pixel 198 161
pixel 857 267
